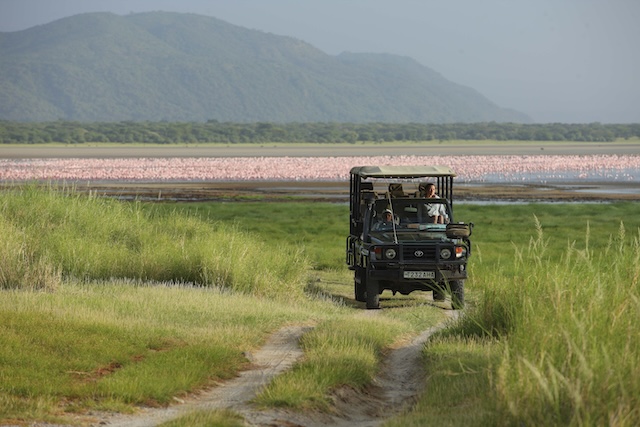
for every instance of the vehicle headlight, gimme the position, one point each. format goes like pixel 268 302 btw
pixel 390 253
pixel 445 253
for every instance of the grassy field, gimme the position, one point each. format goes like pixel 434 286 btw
pixel 551 340
pixel 100 299
pixel 106 305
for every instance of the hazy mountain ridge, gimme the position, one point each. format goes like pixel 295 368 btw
pixel 183 67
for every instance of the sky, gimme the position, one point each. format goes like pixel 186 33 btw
pixel 570 61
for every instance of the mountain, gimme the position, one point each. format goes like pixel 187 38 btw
pixel 182 67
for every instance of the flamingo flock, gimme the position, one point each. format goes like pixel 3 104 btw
pixel 473 168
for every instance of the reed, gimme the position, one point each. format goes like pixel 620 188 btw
pixel 551 340
pixel 571 357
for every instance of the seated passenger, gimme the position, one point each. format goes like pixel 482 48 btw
pixel 385 222
pixel 437 211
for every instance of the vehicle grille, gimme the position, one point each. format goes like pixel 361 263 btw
pixel 412 253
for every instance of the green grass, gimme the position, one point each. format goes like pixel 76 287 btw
pixel 95 312
pixel 339 352
pixel 109 345
pixel 111 327
pixel 224 418
pixel 552 339
pixel 51 236
pixel 571 357
pixel 460 389
pixel 318 229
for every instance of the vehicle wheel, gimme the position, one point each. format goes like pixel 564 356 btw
pixel 373 297
pixel 360 285
pixel 438 294
pixel 457 294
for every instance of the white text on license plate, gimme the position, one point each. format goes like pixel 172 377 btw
pixel 419 274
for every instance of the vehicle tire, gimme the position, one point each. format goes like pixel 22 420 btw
pixel 457 294
pixel 373 296
pixel 438 294
pixel 360 285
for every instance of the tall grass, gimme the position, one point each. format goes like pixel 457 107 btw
pixel 20 265
pixel 556 333
pixel 572 356
pixel 52 234
pixel 116 327
pixel 549 337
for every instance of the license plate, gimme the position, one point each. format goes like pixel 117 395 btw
pixel 419 274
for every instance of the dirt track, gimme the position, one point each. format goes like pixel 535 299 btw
pixel 279 353
pixel 398 385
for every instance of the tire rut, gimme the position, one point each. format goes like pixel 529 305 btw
pixel 400 382
pixel 396 388
pixel 278 354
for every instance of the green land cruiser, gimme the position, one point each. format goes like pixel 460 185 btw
pixel 403 237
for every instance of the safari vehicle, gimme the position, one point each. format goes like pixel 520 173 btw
pixel 409 252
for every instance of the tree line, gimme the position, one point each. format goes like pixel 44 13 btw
pixel 231 133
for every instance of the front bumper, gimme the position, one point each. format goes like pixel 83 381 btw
pixel 391 276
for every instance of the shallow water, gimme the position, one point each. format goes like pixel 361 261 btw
pixel 560 176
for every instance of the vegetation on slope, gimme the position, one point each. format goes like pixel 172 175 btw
pixel 49 237
pixel 182 67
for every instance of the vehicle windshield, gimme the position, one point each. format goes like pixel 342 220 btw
pixel 409 216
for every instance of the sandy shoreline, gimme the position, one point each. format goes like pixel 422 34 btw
pixel 316 150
